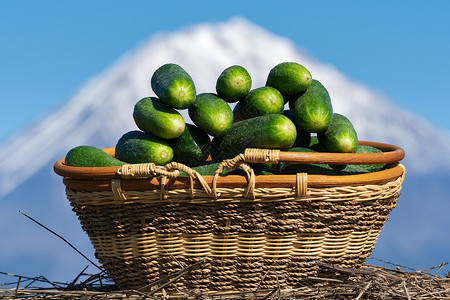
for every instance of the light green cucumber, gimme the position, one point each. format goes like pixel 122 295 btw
pixel 174 86
pixel 211 113
pixel 259 102
pixel 289 78
pixel 312 110
pixel 136 147
pixel 273 131
pixel 340 136
pixel 153 116
pixel 89 156
pixel 233 84
pixel 303 138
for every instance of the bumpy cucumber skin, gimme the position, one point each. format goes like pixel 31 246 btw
pixel 289 78
pixel 303 138
pixel 233 83
pixel 259 102
pixel 89 156
pixel 192 147
pixel 312 110
pixel 340 135
pixel 273 131
pixel 136 147
pixel 174 86
pixel 211 113
pixel 154 117
pixel 318 169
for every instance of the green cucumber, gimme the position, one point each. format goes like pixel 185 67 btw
pixel 264 168
pixel 303 138
pixel 136 147
pixel 259 102
pixel 211 113
pixel 369 149
pixel 210 169
pixel 233 84
pixel 192 147
pixel 318 169
pixel 312 110
pixel 89 156
pixel 289 78
pixel 315 145
pixel 204 170
pixel 368 168
pixel 273 131
pixel 174 86
pixel 340 136
pixel 154 117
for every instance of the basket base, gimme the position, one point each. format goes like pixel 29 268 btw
pixel 267 243
pixel 222 275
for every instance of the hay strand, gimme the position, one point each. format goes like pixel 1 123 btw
pixel 369 282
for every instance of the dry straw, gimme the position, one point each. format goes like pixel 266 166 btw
pixel 369 282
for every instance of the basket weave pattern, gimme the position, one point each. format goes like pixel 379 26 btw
pixel 250 232
pixel 268 239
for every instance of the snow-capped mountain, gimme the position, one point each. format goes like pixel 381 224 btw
pixel 101 111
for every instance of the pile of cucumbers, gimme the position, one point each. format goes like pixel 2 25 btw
pixel 292 112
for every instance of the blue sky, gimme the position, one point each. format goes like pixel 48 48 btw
pixel 51 48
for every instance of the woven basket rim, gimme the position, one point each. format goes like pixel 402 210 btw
pixel 240 181
pixel 103 178
pixel 390 154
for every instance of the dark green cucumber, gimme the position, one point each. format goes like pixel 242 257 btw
pixel 312 110
pixel 89 156
pixel 210 169
pixel 315 145
pixel 293 168
pixel 204 170
pixel 153 116
pixel 369 149
pixel 233 84
pixel 368 168
pixel 211 113
pixel 318 169
pixel 264 168
pixel 340 136
pixel 174 86
pixel 136 147
pixel 289 78
pixel 259 102
pixel 273 131
pixel 192 147
pixel 303 138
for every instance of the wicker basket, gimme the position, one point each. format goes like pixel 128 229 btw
pixel 147 222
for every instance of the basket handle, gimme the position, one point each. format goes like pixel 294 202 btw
pixel 232 164
pixel 172 170
pixel 145 170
